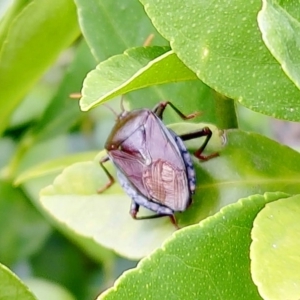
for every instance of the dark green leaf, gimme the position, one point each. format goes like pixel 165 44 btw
pixel 22 230
pixel 111 27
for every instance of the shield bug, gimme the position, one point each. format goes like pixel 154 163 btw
pixel 153 165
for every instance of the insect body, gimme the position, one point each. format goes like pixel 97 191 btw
pixel 153 166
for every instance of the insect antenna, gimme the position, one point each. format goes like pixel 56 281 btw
pixel 111 109
pixel 148 40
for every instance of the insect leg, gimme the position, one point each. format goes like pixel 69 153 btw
pixel 202 132
pixel 110 177
pixel 172 218
pixel 135 208
pixel 160 107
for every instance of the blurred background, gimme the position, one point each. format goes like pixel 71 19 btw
pixel 46 124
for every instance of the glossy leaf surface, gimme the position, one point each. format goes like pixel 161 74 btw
pixel 96 19
pixel 222 44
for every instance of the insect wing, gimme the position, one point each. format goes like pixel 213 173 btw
pixel 165 178
pixel 153 164
pixel 132 166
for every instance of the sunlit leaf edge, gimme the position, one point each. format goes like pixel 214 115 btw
pixel 13 283
pixel 136 80
pixel 53 166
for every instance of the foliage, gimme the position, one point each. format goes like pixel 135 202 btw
pixel 239 238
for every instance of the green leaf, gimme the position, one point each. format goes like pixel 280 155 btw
pixel 11 287
pixel 8 146
pixel 188 96
pixel 222 44
pixel 136 68
pixel 281 33
pixel 31 108
pixel 75 201
pixel 216 142
pixel 46 290
pixel 209 260
pixel 63 112
pixel 111 27
pixel 12 10
pixel 245 167
pixel 22 230
pixel 275 260
pixel 45 30
pixel 65 264
pixel 53 166
pixel 88 245
pixel 30 154
pixel 130 29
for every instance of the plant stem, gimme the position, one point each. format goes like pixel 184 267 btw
pixel 225 112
